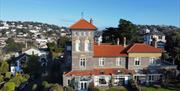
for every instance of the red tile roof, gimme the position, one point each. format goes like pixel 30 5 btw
pixel 108 50
pixel 100 71
pixel 82 24
pixel 143 48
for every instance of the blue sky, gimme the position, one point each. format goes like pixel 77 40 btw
pixel 105 13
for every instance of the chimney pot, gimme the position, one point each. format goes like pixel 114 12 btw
pixel 124 41
pixel 91 21
pixel 117 41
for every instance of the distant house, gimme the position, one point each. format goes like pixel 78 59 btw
pixel 41 43
pixel 16 62
pixel 155 38
pixel 15 65
pixel 105 64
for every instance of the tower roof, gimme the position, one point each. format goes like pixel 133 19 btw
pixel 82 24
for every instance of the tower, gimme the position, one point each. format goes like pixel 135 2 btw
pixel 82 44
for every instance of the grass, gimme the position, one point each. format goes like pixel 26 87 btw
pixel 110 89
pixel 160 89
pixel 117 89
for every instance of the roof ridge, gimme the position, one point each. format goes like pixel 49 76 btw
pixel 83 24
pixel 131 47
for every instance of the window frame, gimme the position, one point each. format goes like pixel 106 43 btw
pixel 101 61
pixel 77 45
pixel 118 61
pixel 82 62
pixel 137 60
pixel 152 60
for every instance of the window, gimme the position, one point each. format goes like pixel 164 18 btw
pixel 86 45
pixel 85 34
pixel 152 60
pixel 69 82
pixel 118 61
pixel 89 33
pixel 83 62
pixel 76 33
pixel 151 77
pixel 80 33
pixel 77 45
pixel 101 61
pixel 89 46
pixel 160 37
pixel 137 61
pixel 102 80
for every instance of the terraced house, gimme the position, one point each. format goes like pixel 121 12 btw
pixel 104 64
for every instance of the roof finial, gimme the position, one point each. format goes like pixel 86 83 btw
pixel 82 15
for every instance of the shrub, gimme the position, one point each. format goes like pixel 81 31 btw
pixel 56 87
pixel 45 85
pixel 26 76
pixel 68 88
pixel 9 86
pixel 8 75
pixel 18 80
pixel 34 87
pixel 1 78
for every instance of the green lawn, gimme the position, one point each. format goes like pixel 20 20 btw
pixel 160 89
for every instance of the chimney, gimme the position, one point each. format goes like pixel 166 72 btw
pixel 91 21
pixel 99 40
pixel 117 41
pixel 154 42
pixel 124 41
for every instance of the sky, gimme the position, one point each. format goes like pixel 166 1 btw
pixel 105 13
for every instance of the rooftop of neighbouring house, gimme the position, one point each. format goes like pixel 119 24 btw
pixel 83 24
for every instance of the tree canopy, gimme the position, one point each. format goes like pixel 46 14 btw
pixel 12 46
pixel 4 67
pixel 125 29
pixel 173 46
pixel 33 66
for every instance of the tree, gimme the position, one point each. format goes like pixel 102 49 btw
pixel 125 29
pixel 4 67
pixel 12 46
pixel 173 46
pixel 129 30
pixel 61 41
pixel 33 66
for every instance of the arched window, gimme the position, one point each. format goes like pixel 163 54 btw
pixel 83 62
pixel 87 44
pixel 77 45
